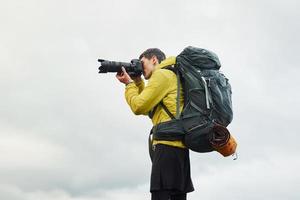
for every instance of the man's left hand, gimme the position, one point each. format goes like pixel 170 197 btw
pixel 123 77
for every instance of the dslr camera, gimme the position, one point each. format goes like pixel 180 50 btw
pixel 134 68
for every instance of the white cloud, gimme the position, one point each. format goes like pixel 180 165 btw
pixel 276 177
pixel 22 151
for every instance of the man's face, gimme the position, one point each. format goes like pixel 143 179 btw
pixel 148 66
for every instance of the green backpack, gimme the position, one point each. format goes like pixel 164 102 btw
pixel 207 102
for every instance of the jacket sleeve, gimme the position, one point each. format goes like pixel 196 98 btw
pixel 140 85
pixel 157 88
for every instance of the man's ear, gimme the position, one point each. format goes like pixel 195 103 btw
pixel 154 60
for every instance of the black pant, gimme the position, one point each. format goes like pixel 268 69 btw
pixel 170 170
pixel 167 195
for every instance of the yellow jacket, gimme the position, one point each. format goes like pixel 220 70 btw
pixel 162 85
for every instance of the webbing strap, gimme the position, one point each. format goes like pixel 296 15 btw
pixel 167 110
pixel 151 113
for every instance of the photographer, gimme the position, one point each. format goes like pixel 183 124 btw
pixel 170 175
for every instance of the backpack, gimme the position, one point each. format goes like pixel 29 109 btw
pixel 207 109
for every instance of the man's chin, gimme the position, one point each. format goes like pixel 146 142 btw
pixel 145 77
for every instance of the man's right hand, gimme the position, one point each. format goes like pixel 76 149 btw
pixel 137 79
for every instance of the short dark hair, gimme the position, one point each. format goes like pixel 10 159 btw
pixel 149 53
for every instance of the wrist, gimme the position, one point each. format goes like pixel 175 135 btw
pixel 138 80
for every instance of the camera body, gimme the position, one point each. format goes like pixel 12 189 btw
pixel 134 68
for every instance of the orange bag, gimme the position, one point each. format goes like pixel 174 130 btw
pixel 222 141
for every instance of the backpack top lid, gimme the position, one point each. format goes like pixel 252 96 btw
pixel 198 57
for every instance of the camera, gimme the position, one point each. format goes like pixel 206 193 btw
pixel 134 68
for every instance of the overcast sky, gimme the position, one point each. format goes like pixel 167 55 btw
pixel 66 132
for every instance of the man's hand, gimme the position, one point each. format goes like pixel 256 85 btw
pixel 137 79
pixel 123 77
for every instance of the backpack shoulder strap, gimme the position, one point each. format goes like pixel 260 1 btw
pixel 151 113
pixel 176 71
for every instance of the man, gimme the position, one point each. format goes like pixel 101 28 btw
pixel 170 175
